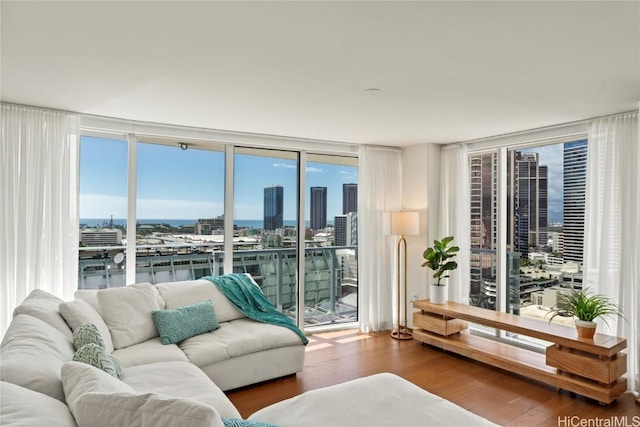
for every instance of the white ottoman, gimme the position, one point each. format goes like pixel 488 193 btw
pixel 378 400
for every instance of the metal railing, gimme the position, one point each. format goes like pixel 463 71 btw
pixel 330 280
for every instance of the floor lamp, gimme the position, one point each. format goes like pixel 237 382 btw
pixel 402 224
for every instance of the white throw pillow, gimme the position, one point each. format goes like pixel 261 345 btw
pixel 127 313
pixel 78 312
pixel 80 378
pixel 21 407
pixel 179 294
pixel 143 410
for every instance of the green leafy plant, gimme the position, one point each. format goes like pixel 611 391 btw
pixel 584 305
pixel 438 258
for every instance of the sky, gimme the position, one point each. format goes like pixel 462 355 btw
pixel 189 184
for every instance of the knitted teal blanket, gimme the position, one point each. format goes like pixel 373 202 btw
pixel 250 300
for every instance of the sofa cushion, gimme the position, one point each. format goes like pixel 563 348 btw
pixel 143 410
pixel 21 407
pixel 178 294
pixel 150 351
pixel 44 306
pixel 78 312
pixel 79 378
pixel 178 324
pixel 97 356
pixel 127 313
pixel 179 379
pixel 236 338
pixel 90 296
pixel 32 353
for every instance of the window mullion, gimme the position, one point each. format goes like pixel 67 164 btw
pixel 132 186
pixel 228 210
pixel 502 291
pixel 301 226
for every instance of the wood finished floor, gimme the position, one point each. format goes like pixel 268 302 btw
pixel 499 396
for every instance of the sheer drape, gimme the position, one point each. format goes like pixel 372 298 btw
pixel 612 233
pixel 454 216
pixel 38 213
pixel 379 190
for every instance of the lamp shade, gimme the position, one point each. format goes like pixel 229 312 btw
pixel 404 223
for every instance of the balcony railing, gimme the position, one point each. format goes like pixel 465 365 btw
pixel 331 280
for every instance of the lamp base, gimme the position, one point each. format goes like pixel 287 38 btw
pixel 401 335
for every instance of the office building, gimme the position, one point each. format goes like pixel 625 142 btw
pixel 527 196
pixel 273 207
pixel 575 178
pixel 349 198
pixel 318 208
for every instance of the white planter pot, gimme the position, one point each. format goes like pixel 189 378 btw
pixel 438 294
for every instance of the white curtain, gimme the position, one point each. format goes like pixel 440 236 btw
pixel 379 191
pixel 454 216
pixel 612 231
pixel 38 212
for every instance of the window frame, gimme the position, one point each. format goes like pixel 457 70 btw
pixel 227 142
pixel 501 145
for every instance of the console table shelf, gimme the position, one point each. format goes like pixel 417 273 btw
pixel 592 368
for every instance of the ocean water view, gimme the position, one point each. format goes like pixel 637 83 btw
pixel 250 223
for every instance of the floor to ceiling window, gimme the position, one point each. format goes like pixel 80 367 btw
pixel 179 210
pixel 158 209
pixel 543 216
pixel 331 240
pixel 103 211
pixel 266 222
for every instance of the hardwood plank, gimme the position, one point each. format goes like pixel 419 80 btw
pixel 500 396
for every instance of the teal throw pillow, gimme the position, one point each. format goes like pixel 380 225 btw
pixel 237 422
pixel 87 333
pixel 180 323
pixel 97 356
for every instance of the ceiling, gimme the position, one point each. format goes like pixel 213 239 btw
pixel 446 71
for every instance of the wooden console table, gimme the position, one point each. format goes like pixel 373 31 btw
pixel 592 368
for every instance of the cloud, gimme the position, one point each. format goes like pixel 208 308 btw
pixel 311 169
pixel 284 165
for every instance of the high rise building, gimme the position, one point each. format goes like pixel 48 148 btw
pixel 575 179
pixel 527 181
pixel 318 208
pixel 483 232
pixel 346 229
pixel 349 198
pixel 273 207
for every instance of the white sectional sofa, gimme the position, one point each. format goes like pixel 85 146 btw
pixel 178 384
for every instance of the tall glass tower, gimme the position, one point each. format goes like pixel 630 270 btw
pixel 575 180
pixel 273 207
pixel 349 198
pixel 318 208
pixel 527 182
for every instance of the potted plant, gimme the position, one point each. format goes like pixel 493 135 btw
pixel 439 259
pixel 586 307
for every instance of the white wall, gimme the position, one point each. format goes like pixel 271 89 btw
pixel 420 186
